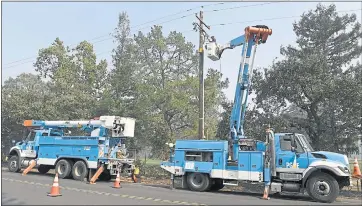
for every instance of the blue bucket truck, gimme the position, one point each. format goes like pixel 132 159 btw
pixel 284 162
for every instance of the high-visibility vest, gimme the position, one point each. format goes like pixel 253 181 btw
pixel 136 171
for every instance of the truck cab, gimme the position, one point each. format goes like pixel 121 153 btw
pixel 27 149
pixel 295 156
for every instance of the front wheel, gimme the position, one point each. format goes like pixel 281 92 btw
pixel 198 182
pixel 13 164
pixel 322 187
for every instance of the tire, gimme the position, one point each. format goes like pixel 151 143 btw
pixel 79 170
pixel 198 182
pixel 13 164
pixel 323 183
pixel 63 168
pixel 218 185
pixel 43 169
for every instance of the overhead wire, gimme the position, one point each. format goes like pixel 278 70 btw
pixel 219 24
pixel 275 18
pixel 108 34
pixel 258 20
pixel 106 39
pixel 238 7
pixel 179 13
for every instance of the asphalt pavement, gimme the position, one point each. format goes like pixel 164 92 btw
pixel 32 189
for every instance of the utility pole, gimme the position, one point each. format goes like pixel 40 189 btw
pixel 202 33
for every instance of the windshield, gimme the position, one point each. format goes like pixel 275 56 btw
pixel 30 136
pixel 305 143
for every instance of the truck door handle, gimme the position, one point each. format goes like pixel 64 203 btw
pixel 283 154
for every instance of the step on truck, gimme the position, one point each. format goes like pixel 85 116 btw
pixel 284 162
pixel 49 145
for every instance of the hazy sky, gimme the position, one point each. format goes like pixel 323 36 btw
pixel 28 27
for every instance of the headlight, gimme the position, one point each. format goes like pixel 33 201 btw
pixel 344 169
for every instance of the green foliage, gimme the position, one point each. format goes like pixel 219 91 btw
pixel 311 77
pixel 154 78
pixel 22 98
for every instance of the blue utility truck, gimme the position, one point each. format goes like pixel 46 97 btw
pixel 284 162
pixel 49 146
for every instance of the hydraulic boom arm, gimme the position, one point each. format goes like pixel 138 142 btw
pixel 253 36
pixel 119 126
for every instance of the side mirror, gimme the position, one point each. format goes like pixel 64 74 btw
pixel 293 144
pixel 293 149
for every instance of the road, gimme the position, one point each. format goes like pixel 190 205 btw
pixel 32 189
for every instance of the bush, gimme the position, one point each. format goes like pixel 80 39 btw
pixel 153 171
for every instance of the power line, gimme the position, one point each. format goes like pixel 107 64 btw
pixel 269 19
pixel 275 18
pixel 238 7
pixel 178 13
pixel 106 35
pixel 31 58
pixel 219 24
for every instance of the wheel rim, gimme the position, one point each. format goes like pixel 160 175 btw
pixel 197 180
pixel 78 171
pixel 13 164
pixel 322 188
pixel 61 168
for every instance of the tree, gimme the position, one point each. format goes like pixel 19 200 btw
pixel 23 97
pixel 167 89
pixel 223 127
pixel 154 79
pixel 214 98
pixel 165 85
pixel 310 74
pixel 123 77
pixel 75 79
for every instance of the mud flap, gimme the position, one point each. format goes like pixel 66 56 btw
pixel 184 182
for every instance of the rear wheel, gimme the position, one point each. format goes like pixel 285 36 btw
pixel 13 164
pixel 198 182
pixel 63 168
pixel 79 170
pixel 322 187
pixel 42 169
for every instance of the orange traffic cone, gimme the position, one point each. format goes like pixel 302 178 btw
pixel 117 183
pixel 356 170
pixel 54 192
